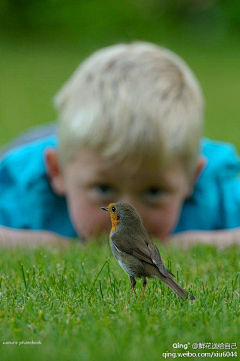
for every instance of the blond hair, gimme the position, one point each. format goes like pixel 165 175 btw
pixel 133 101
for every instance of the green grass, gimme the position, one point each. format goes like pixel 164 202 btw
pixel 76 302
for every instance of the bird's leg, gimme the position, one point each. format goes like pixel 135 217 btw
pixel 133 283
pixel 144 283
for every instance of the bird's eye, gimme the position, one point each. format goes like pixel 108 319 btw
pixel 113 209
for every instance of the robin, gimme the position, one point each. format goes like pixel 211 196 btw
pixel 134 250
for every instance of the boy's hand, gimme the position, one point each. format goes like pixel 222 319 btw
pixel 221 238
pixel 10 237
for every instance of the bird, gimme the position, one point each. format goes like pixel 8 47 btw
pixel 135 251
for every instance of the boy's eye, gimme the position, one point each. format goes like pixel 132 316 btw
pixel 101 192
pixel 153 192
pixel 104 189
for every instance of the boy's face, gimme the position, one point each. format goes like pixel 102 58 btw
pixel 89 182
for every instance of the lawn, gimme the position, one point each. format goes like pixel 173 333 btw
pixel 76 303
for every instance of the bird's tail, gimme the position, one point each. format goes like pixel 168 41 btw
pixel 180 292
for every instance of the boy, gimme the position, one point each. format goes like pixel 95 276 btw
pixel 130 124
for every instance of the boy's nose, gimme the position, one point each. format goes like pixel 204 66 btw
pixel 131 200
pixel 127 199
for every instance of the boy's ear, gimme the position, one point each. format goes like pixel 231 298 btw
pixel 53 171
pixel 201 163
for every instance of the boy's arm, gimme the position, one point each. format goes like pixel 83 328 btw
pixel 220 238
pixel 10 237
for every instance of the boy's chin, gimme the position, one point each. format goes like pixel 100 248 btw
pixel 159 235
pixel 94 233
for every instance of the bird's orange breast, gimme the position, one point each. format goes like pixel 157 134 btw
pixel 115 222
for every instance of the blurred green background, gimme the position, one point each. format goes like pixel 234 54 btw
pixel 43 41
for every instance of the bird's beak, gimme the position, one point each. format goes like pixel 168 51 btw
pixel 105 208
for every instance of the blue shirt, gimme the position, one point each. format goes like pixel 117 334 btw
pixel 215 202
pixel 27 200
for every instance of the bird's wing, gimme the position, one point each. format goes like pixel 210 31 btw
pixel 142 256
pixel 142 248
pixel 157 260
pixel 140 251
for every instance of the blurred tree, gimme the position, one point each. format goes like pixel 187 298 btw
pixel 70 16
pixel 16 13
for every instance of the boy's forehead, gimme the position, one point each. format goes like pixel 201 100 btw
pixel 91 163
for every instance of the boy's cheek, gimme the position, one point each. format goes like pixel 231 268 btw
pixel 161 223
pixel 88 219
pixel 158 227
